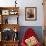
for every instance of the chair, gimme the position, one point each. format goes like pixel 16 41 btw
pixel 28 35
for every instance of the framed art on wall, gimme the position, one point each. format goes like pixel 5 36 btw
pixel 30 13
pixel 5 12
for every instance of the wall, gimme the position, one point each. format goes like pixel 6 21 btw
pixel 26 3
pixel 31 3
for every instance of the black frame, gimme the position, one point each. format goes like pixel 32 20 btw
pixel 34 14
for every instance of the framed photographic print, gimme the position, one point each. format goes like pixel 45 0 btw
pixel 13 12
pixel 30 13
pixel 5 12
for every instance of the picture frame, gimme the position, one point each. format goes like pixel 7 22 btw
pixel 30 13
pixel 13 12
pixel 5 12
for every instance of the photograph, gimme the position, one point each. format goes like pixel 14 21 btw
pixel 5 12
pixel 30 13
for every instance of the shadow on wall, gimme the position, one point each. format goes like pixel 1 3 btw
pixel 37 29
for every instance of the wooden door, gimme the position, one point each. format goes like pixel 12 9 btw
pixel 44 6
